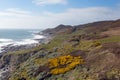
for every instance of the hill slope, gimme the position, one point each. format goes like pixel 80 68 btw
pixel 84 52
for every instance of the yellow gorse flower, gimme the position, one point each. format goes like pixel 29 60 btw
pixel 63 64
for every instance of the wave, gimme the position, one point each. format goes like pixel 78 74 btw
pixel 2 45
pixel 10 42
pixel 25 42
pixel 34 31
pixel 5 40
pixel 38 37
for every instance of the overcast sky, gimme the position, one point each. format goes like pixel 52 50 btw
pixel 50 13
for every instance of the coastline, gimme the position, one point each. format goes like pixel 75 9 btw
pixel 41 38
pixel 9 45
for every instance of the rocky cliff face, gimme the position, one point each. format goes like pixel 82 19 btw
pixel 14 59
pixel 10 61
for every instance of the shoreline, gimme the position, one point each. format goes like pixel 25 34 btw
pixel 19 37
pixel 38 39
pixel 5 71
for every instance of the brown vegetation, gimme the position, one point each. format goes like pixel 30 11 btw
pixel 113 47
pixel 112 32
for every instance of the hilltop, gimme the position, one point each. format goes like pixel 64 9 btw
pixel 82 52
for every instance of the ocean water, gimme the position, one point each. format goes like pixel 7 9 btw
pixel 18 37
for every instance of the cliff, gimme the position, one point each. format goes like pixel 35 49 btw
pixel 83 52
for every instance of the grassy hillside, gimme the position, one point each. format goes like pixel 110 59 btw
pixel 89 52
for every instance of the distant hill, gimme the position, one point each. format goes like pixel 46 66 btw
pixel 101 25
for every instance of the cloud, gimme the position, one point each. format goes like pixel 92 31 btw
pixel 49 2
pixel 14 12
pixel 76 16
pixel 17 11
pixel 73 16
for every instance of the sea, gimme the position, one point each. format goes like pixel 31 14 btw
pixel 19 37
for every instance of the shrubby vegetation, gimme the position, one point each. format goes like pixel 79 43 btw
pixel 63 64
pixel 35 49
pixel 110 39
pixel 60 58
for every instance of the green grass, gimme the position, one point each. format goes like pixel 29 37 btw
pixel 110 39
pixel 78 32
pixel 56 42
pixel 37 48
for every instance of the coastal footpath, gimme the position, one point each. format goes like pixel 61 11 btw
pixel 82 52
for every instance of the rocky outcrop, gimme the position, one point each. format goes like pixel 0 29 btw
pixel 17 47
pixel 13 60
pixel 10 62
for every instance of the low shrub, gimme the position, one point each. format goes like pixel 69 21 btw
pixel 96 43
pixel 63 64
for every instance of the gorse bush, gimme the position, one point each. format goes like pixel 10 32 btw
pixel 63 64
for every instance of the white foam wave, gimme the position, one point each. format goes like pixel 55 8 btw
pixel 6 40
pixel 34 32
pixel 30 41
pixel 2 45
pixel 38 37
pixel 25 42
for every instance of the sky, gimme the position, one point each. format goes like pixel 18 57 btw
pixel 42 14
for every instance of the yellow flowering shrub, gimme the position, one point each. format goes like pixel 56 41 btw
pixel 63 64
